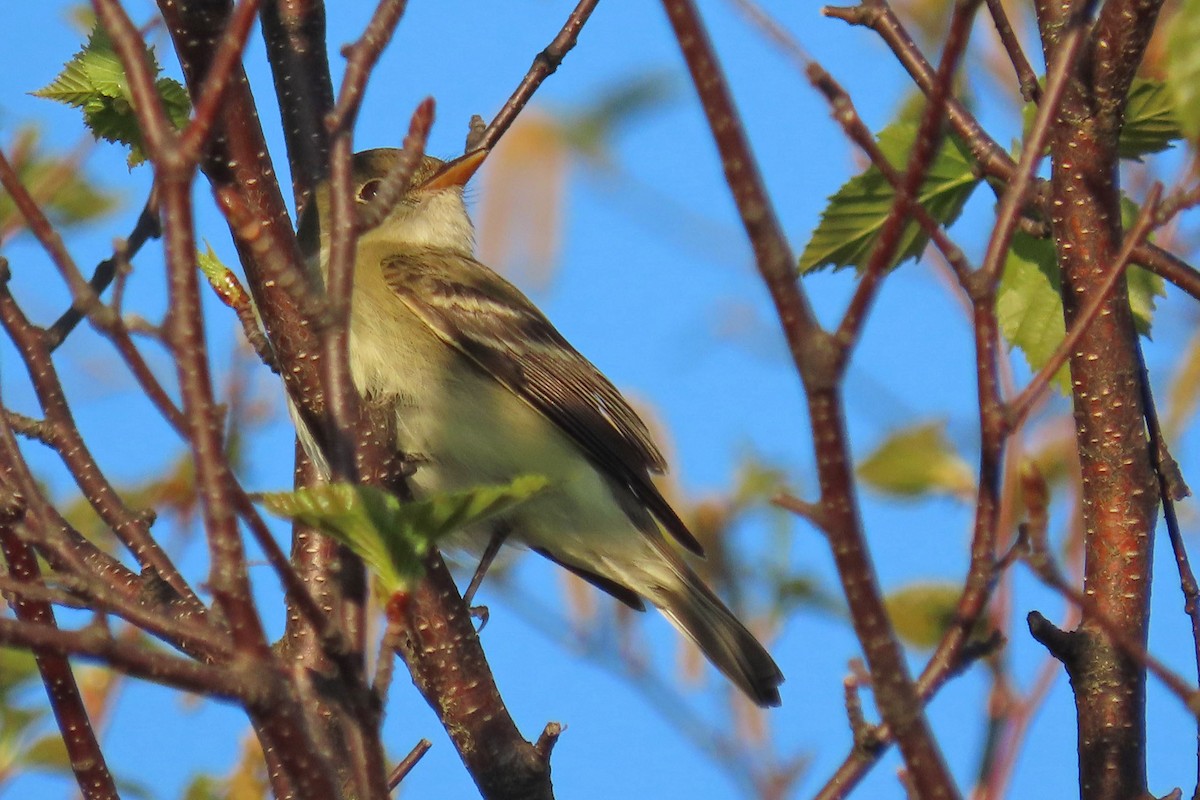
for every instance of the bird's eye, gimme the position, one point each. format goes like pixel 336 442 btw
pixel 368 190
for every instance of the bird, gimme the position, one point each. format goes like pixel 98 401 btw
pixel 486 389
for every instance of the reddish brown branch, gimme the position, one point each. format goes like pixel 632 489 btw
pixel 816 357
pixel 1024 176
pixel 1024 402
pixel 224 64
pixel 544 65
pixel 925 147
pixel 1084 212
pixel 771 250
pixel 993 159
pixel 343 449
pixel 1026 77
pixel 437 641
pixel 1168 266
pixel 406 764
pixel 83 749
pixel 95 643
pixel 129 527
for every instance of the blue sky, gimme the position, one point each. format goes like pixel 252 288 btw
pixel 647 312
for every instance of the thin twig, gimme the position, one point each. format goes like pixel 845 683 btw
pixel 544 65
pixel 342 410
pixel 1167 471
pixel 993 159
pixel 1169 267
pixel 399 177
pixel 94 643
pixel 925 148
pixel 75 455
pixel 83 296
pixel 1024 402
pixel 1014 198
pixel 406 764
pixel 1026 77
pixel 184 331
pixel 144 229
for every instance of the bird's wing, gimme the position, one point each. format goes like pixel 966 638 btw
pixel 489 320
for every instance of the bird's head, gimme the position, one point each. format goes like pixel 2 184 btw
pixel 430 213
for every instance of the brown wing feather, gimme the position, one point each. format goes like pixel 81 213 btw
pixel 489 320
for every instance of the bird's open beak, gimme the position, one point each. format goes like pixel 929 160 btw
pixel 456 172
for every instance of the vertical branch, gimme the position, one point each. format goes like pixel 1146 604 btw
pixel 1118 482
pixel 816 356
pixel 294 31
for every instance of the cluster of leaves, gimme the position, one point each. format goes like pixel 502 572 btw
pixel 94 81
pixel 920 461
pixel 1028 305
pixel 389 535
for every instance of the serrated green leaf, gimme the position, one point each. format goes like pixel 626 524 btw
pixel 391 536
pixel 1143 285
pixel 915 461
pixel 1183 66
pixel 1150 121
pixel 94 80
pixel 1028 304
pixel 922 612
pixel 175 101
pixel 851 222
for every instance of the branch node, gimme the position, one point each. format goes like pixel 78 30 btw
pixel 548 739
pixel 1060 643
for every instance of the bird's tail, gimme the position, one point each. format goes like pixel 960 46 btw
pixel 701 616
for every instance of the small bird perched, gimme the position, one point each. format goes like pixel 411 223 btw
pixel 485 389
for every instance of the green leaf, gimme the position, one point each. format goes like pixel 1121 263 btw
pixel 1150 122
pixel 391 536
pixel 1028 305
pixel 1183 66
pixel 48 754
pixel 851 222
pixel 17 669
pixel 1143 285
pixel 591 129
pixel 63 191
pixel 94 81
pixel 922 612
pixel 1151 119
pixel 915 461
